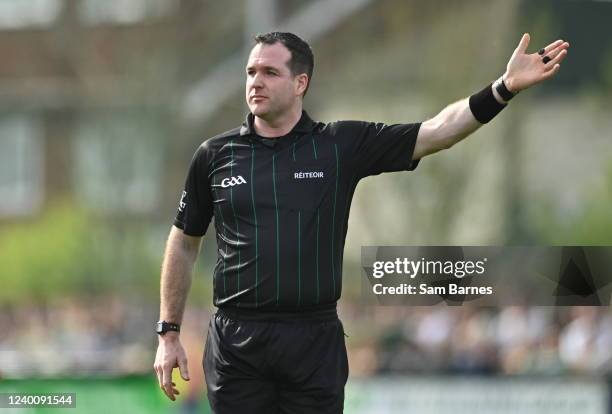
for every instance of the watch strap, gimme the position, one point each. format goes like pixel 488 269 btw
pixel 162 327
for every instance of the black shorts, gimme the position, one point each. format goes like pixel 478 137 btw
pixel 275 367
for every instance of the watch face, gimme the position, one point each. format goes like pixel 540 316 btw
pixel 162 327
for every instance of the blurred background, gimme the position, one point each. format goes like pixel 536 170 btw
pixel 102 105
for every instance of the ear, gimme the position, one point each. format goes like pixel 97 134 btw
pixel 301 82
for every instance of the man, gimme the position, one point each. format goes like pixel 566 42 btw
pixel 280 189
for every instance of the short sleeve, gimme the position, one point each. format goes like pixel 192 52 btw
pixel 380 148
pixel 195 209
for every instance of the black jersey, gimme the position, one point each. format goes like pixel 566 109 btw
pixel 281 207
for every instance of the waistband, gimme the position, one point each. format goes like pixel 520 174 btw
pixel 319 314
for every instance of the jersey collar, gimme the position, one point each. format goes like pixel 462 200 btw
pixel 304 125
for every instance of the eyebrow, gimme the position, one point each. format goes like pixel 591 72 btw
pixel 264 67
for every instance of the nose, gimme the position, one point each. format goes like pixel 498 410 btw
pixel 256 81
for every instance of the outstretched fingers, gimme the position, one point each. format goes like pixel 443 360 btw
pixel 551 72
pixel 546 50
pixel 556 58
pixel 524 42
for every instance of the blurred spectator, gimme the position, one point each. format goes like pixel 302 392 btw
pixel 109 336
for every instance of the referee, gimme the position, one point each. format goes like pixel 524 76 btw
pixel 280 189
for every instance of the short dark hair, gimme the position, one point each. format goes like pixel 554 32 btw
pixel 302 59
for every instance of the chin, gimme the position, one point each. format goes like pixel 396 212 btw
pixel 258 111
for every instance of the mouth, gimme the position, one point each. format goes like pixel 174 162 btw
pixel 258 98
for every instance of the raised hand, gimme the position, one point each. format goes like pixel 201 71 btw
pixel 528 69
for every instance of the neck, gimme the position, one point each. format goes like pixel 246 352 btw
pixel 277 127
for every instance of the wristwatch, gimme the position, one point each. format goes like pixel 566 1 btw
pixel 161 327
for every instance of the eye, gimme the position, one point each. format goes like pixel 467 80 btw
pixel 272 72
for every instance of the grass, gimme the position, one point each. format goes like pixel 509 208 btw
pixel 134 395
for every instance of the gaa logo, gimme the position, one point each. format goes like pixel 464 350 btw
pixel 232 181
pixel 182 203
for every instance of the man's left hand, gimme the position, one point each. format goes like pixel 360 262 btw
pixel 528 69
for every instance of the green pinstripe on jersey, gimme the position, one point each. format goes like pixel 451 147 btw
pixel 224 233
pixel 265 238
pixel 234 211
pixel 255 225
pixel 314 150
pixel 353 181
pixel 317 255
pixel 277 229
pixel 299 270
pixel 334 222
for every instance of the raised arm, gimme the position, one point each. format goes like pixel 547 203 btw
pixel 460 119
pixel 180 256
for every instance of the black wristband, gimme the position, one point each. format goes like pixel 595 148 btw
pixel 484 106
pixel 502 90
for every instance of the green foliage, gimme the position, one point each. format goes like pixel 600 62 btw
pixel 592 225
pixel 66 252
